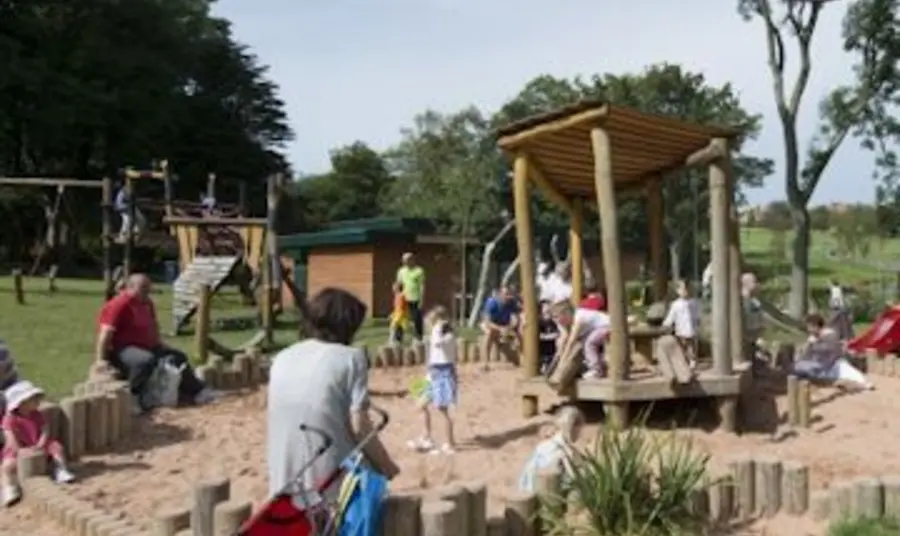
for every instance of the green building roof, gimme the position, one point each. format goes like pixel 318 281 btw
pixel 355 232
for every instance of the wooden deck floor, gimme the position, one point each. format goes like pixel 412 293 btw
pixel 642 387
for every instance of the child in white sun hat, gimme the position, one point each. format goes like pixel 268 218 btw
pixel 24 427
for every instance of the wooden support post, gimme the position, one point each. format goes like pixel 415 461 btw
pixel 657 234
pixel 618 349
pixel 735 298
pixel 476 493
pixel 229 516
pixel 171 521
pixel 201 328
pixel 804 404
pixel 167 188
pixel 129 232
pixel 868 500
pixel 206 496
pixel 795 488
pixel 891 485
pixel 401 514
pixel 18 286
pixel 106 236
pixel 522 202
pixel 768 486
pixel 271 257
pixel 793 400
pixel 521 514
pixel 439 519
pixel 718 222
pixel 576 249
pixel 744 473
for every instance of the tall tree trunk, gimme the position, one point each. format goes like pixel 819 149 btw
pixel 797 306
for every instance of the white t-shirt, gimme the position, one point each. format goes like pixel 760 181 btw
pixel 441 345
pixel 553 289
pixel 588 320
pixel 684 317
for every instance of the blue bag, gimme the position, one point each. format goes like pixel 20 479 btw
pixel 362 500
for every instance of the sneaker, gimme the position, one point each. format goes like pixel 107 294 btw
pixel 10 495
pixel 446 448
pixel 423 444
pixel 590 375
pixel 63 476
pixel 206 396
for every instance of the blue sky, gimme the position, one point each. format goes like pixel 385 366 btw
pixel 361 69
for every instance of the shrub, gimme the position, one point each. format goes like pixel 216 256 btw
pixel 631 483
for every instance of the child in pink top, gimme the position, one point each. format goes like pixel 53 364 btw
pixel 24 427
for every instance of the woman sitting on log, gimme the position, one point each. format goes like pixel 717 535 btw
pixel 824 358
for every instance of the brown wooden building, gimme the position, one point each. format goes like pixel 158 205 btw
pixel 362 256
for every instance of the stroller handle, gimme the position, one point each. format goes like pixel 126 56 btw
pixel 327 440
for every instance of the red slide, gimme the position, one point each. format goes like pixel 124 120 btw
pixel 883 336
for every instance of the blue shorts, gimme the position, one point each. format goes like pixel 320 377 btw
pixel 443 385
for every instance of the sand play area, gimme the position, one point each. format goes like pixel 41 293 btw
pixel 852 435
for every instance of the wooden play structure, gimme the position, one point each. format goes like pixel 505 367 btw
pixel 595 150
pixel 213 247
pixel 53 224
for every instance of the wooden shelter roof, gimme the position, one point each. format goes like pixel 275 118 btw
pixel 644 145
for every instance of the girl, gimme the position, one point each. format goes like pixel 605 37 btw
pixel 24 427
pixel 684 318
pixel 399 316
pixel 591 328
pixel 555 450
pixel 442 380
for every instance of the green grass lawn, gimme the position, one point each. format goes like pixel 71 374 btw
pixel 51 337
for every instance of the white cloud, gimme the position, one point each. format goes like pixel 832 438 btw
pixel 362 69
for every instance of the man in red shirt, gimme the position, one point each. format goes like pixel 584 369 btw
pixel 128 339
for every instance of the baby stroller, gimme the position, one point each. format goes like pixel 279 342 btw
pixel 280 516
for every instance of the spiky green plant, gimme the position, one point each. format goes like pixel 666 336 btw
pixel 632 483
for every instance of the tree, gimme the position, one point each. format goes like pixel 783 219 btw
pixel 353 189
pixel 669 90
pixel 860 108
pixel 819 218
pixel 81 96
pixel 446 168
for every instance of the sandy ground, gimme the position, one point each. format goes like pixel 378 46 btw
pixel 852 436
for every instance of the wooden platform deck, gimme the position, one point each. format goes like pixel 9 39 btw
pixel 644 386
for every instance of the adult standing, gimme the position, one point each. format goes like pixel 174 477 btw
pixel 412 277
pixel 128 339
pixel 333 400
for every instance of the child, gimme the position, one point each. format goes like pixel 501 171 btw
pixel 684 318
pixel 555 450
pixel 24 427
pixel 400 319
pixel 591 328
pixel 442 380
pixel 824 358
pixel 549 337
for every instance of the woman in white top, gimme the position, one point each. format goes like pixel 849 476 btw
pixel 684 320
pixel 442 379
pixel 589 327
